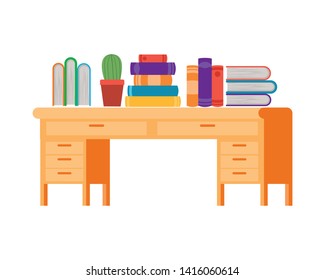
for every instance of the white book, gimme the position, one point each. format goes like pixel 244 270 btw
pixel 248 72
pixel 70 81
pixel 84 85
pixel 57 84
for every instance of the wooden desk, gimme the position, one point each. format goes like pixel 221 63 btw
pixel 254 144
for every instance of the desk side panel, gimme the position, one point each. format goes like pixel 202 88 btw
pixel 278 145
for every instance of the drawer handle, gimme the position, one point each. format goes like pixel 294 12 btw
pixel 239 145
pixel 241 159
pixel 239 173
pixel 207 125
pixel 64 173
pixel 96 125
pixel 63 158
pixel 64 145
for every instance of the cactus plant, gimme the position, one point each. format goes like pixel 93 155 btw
pixel 112 67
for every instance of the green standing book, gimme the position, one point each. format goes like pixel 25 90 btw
pixel 70 82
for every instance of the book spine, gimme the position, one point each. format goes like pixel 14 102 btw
pixel 57 84
pixel 152 90
pixel 250 87
pixel 251 72
pixel 70 82
pixel 153 68
pixel 152 80
pixel 152 101
pixel 205 82
pixel 217 85
pixel 248 100
pixel 152 58
pixel 192 85
pixel 84 84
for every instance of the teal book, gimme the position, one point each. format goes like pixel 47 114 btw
pixel 84 84
pixel 152 90
pixel 250 86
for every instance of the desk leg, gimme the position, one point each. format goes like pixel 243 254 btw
pixel 288 195
pixel 106 177
pixel 264 194
pixel 86 194
pixel 97 168
pixel 221 194
pixel 106 194
pixel 43 194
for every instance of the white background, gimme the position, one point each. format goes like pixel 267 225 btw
pixel 154 220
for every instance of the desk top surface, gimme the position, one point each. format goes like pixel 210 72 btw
pixel 80 113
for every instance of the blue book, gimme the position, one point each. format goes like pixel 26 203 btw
pixel 84 84
pixel 152 90
pixel 250 86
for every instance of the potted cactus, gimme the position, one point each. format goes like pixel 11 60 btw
pixel 112 85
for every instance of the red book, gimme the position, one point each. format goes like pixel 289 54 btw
pixel 217 85
pixel 153 58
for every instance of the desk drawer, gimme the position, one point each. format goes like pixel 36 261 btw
pixel 239 161
pixel 64 161
pixel 239 148
pixel 64 175
pixel 207 128
pixel 64 148
pixel 96 128
pixel 238 175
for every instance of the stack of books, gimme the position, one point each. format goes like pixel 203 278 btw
pixel 71 84
pixel 204 84
pixel 152 83
pixel 249 86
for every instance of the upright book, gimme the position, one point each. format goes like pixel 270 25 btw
pixel 153 68
pixel 57 84
pixel 70 82
pixel 84 84
pixel 217 85
pixel 192 77
pixel 205 82
pixel 248 72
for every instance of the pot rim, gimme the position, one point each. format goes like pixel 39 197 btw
pixel 112 82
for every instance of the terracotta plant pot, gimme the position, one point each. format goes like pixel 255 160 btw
pixel 112 91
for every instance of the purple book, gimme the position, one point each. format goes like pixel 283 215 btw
pixel 153 68
pixel 205 82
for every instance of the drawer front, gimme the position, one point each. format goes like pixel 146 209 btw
pixel 64 148
pixel 206 128
pixel 64 161
pixel 239 161
pixel 238 175
pixel 96 128
pixel 239 148
pixel 64 175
